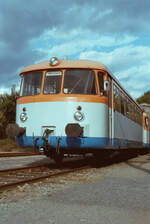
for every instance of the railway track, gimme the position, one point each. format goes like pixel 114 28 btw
pixel 15 177
pixel 18 176
pixel 16 154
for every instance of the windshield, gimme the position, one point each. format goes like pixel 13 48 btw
pixel 31 84
pixel 52 83
pixel 79 81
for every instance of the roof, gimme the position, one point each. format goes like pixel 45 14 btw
pixel 66 64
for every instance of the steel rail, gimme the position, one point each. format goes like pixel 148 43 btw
pixel 22 168
pixel 17 154
pixel 30 179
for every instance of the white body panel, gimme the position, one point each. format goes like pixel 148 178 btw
pixel 126 129
pixel 59 114
pixel 145 137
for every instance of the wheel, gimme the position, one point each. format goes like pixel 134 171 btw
pixel 58 158
pixel 100 156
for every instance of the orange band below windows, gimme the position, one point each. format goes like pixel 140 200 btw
pixel 62 98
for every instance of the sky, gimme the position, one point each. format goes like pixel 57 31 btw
pixel 113 32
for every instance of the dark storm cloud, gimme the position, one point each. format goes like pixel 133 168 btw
pixel 126 16
pixel 21 21
pixel 121 15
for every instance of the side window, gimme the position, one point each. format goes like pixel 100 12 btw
pixel 101 82
pixel 128 109
pixel 132 112
pixel 116 99
pixel 140 117
pixel 122 104
pixel 136 114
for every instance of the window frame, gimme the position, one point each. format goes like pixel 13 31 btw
pixel 23 75
pixel 61 82
pixel 82 69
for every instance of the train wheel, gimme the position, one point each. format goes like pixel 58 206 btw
pixel 100 156
pixel 58 158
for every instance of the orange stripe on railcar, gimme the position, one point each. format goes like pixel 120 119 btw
pixel 146 121
pixel 62 98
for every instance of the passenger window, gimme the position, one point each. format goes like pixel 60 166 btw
pixel 116 99
pixel 122 104
pixel 101 82
pixel 127 109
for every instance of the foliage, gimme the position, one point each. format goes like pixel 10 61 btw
pixel 7 111
pixel 8 145
pixel 144 98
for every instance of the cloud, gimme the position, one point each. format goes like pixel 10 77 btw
pixel 130 64
pixel 87 34
pixel 76 41
pixel 21 22
pixel 120 58
pixel 136 79
pixel 34 31
pixel 4 90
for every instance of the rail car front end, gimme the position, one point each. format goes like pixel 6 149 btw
pixel 71 126
pixel 77 106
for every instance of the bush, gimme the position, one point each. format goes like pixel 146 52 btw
pixel 7 111
pixel 144 98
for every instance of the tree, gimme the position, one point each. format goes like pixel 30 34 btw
pixel 144 98
pixel 7 111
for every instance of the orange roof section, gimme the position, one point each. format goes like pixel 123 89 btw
pixel 66 64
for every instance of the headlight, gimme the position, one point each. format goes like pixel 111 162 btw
pixel 23 117
pixel 54 61
pixel 78 116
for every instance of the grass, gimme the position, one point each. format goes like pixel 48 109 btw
pixel 9 145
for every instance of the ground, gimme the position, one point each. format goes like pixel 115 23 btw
pixel 118 193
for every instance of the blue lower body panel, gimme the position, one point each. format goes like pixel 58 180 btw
pixel 86 142
pixel 64 142
pixel 28 141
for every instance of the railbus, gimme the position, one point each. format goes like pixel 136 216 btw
pixel 77 107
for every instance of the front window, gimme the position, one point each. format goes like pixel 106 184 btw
pixel 52 83
pixel 31 84
pixel 79 81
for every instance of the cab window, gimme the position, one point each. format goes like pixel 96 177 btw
pixel 79 81
pixel 31 84
pixel 52 84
